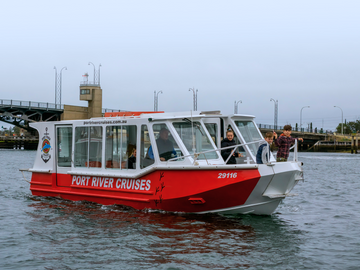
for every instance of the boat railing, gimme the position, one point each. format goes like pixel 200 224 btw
pixel 295 147
pixel 196 155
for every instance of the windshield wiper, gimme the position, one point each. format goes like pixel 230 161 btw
pixel 187 120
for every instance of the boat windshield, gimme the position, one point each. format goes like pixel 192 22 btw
pixel 195 139
pixel 250 133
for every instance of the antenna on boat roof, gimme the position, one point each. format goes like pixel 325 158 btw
pixel 192 134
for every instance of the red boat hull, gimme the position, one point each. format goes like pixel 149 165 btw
pixel 170 190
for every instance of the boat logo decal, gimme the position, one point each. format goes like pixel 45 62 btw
pixel 159 190
pixel 111 183
pixel 105 122
pixel 45 146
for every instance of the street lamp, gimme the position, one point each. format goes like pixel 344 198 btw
pixel 194 97
pixel 61 83
pixel 236 107
pixel 55 86
pixel 58 83
pixel 301 115
pixel 156 100
pixel 99 74
pixel 276 103
pixel 342 125
pixel 94 70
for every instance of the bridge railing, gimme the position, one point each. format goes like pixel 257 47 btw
pixel 104 110
pixel 272 127
pixel 30 104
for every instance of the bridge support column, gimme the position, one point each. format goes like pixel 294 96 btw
pixel 356 144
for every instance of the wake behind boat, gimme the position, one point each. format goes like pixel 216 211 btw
pixel 163 161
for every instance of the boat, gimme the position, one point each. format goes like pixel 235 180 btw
pixel 89 160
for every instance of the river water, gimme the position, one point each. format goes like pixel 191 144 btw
pixel 317 229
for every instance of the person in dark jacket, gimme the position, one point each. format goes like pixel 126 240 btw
pixel 263 153
pixel 164 145
pixel 132 160
pixel 225 153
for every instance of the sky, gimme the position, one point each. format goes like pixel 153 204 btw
pixel 301 53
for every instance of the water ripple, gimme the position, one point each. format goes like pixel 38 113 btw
pixel 317 229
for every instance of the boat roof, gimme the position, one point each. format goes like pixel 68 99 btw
pixel 155 116
pixel 171 115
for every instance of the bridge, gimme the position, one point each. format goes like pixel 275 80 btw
pixel 21 113
pixel 309 138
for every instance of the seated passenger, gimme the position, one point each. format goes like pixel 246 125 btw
pixel 263 156
pixel 225 153
pixel 132 160
pixel 164 145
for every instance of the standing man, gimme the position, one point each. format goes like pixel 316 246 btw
pixel 284 143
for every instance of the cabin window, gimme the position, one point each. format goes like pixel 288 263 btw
pixel 64 146
pixel 195 139
pixel 165 143
pixel 250 133
pixel 120 149
pixel 240 149
pixel 88 154
pixel 212 128
pixel 145 160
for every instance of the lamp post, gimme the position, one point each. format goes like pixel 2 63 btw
pixel 156 100
pixel 194 97
pixel 301 115
pixel 55 86
pixel 94 70
pixel 61 84
pixel 236 106
pixel 276 103
pixel 58 84
pixel 342 124
pixel 99 74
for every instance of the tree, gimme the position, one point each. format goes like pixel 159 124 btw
pixel 16 130
pixel 349 127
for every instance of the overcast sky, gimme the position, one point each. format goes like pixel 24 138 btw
pixel 301 53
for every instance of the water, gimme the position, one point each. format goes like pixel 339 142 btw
pixel 318 229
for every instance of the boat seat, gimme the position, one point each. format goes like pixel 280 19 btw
pixel 96 164
pixel 112 164
pixel 116 165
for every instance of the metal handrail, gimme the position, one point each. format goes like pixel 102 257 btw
pixel 213 150
pixel 295 150
pixel 233 146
